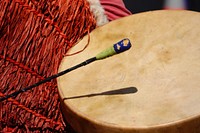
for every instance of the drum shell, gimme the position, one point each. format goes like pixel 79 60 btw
pixel 158 38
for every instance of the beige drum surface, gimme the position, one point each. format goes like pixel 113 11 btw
pixel 152 88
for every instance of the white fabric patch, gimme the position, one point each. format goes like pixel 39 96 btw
pixel 98 12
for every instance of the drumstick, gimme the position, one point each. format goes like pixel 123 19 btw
pixel 119 47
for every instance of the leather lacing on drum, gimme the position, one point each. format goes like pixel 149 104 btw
pixel 34 37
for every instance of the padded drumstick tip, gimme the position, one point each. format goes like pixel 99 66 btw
pixel 119 47
pixel 122 45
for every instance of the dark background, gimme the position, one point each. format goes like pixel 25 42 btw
pixel 136 6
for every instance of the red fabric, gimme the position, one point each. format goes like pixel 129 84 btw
pixel 34 37
pixel 114 9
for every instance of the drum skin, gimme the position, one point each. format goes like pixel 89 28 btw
pixel 152 88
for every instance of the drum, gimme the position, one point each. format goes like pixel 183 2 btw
pixel 154 87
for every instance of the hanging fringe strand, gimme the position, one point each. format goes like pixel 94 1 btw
pixel 34 37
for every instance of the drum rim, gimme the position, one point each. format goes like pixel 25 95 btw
pixel 84 116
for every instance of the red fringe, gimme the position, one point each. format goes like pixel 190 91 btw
pixel 34 37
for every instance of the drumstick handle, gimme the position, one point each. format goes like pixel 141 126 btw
pixel 115 49
pixel 119 47
pixel 47 79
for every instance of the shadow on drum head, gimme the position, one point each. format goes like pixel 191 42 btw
pixel 123 91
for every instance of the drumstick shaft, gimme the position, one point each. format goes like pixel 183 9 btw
pixel 115 49
pixel 48 79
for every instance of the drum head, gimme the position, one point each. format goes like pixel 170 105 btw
pixel 153 87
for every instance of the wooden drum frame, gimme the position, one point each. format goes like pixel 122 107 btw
pixel 152 88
